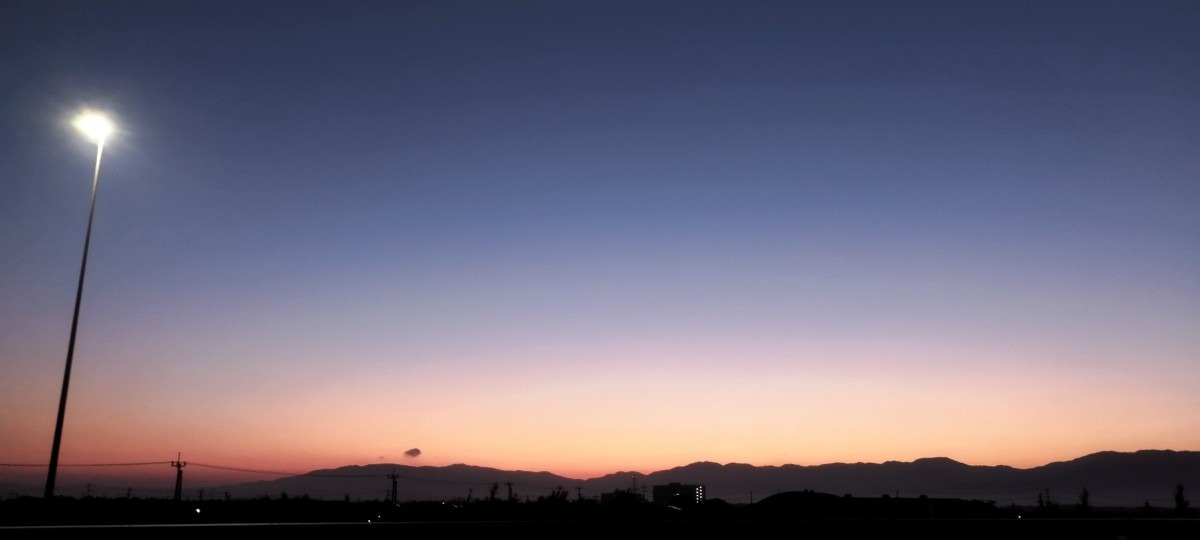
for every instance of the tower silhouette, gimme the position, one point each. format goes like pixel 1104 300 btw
pixel 179 465
pixel 393 476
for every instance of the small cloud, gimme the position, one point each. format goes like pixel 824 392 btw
pixel 413 452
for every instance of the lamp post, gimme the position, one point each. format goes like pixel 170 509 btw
pixel 97 128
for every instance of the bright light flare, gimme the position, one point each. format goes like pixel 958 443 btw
pixel 94 125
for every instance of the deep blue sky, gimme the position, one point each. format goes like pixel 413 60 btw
pixel 990 208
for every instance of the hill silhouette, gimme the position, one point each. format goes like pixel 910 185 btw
pixel 1112 479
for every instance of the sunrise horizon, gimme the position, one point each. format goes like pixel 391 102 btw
pixel 202 474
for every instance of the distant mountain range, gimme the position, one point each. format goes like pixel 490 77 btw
pixel 1111 479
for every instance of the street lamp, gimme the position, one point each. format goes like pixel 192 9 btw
pixel 96 127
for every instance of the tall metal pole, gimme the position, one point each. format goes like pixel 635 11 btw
pixel 62 400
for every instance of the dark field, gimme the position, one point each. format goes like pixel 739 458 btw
pixel 1132 529
pixel 30 517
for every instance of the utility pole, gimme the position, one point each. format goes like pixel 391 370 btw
pixel 393 477
pixel 509 484
pixel 179 465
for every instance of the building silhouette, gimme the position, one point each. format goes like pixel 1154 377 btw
pixel 678 495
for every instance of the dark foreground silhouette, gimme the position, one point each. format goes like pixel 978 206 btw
pixel 797 514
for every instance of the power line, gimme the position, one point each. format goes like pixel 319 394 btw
pixel 86 464
pixel 238 469
pixel 256 471
pixel 204 465
pixel 282 473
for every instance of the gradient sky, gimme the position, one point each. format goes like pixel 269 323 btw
pixel 598 236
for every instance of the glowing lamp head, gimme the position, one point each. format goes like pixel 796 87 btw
pixel 94 125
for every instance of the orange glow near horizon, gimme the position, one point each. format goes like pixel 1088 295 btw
pixel 791 414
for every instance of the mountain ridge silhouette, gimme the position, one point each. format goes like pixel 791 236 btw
pixel 1110 478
